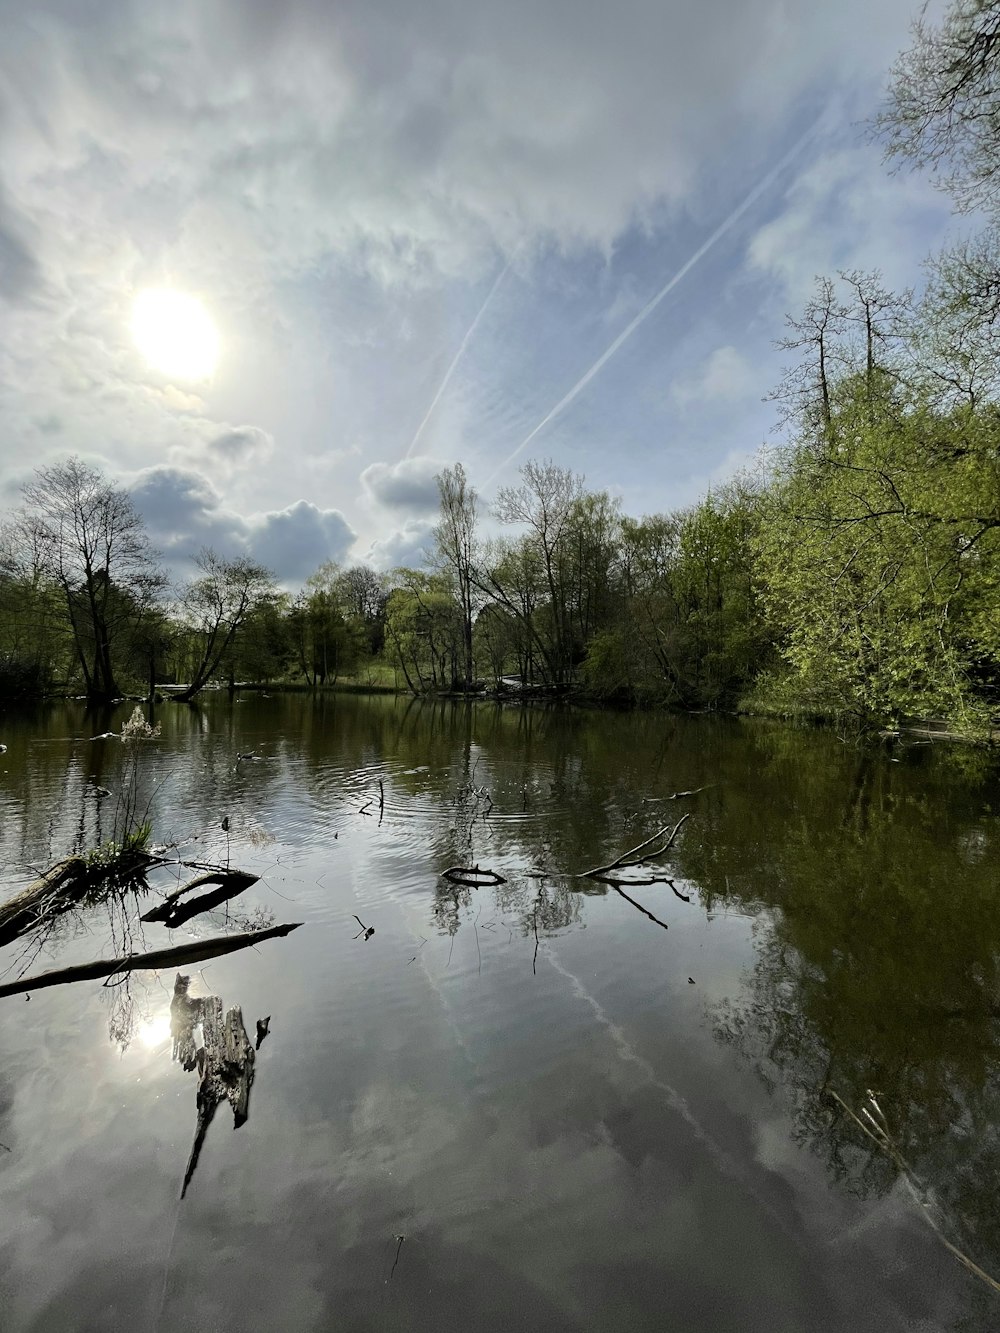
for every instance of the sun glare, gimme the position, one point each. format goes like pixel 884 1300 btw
pixel 175 333
pixel 154 1032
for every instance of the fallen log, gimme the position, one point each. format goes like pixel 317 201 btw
pixel 195 952
pixel 62 886
pixel 20 913
pixel 172 912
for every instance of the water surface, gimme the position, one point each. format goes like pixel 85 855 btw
pixel 580 1109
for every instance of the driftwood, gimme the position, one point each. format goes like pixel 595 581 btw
pixel 195 952
pixel 225 1060
pixel 172 912
pixel 471 876
pixel 366 931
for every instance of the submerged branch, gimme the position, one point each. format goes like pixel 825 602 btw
pixel 471 876
pixel 631 858
pixel 194 952
pixel 62 886
pixel 877 1131
pixel 174 913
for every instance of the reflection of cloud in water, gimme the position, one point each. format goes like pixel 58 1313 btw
pixel 723 1160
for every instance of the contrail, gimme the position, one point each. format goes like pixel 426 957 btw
pixel 762 185
pixel 457 357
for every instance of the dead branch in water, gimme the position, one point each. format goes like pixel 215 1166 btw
pixel 366 931
pixel 631 858
pixel 877 1130
pixel 174 913
pixel 638 906
pixel 472 877
pixel 195 952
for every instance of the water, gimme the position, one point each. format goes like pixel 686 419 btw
pixel 575 1118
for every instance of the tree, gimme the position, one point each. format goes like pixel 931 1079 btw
pixel 545 503
pixel 879 559
pixel 363 595
pixel 326 643
pixel 217 604
pixel 82 533
pixel 455 543
pixel 943 107
pixel 423 629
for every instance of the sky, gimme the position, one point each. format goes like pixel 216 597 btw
pixel 451 231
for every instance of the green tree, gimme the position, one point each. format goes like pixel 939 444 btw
pixel 423 629
pixel 879 558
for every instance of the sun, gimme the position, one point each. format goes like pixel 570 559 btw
pixel 175 333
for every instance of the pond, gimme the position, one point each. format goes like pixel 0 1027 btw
pixel 547 1103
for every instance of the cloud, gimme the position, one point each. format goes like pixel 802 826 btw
pixel 412 142
pixel 184 512
pixel 342 185
pixel 410 484
pixel 20 274
pixel 405 546
pixel 842 211
pixel 725 376
pixel 242 443
pixel 294 542
pixel 180 401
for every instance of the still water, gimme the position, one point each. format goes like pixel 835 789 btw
pixel 542 1104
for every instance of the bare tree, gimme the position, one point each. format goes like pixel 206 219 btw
pixel 455 542
pixel 805 389
pixel 943 108
pixel 84 534
pixel 217 604
pixel 545 503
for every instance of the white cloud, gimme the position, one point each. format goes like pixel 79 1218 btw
pixel 726 376
pixel 184 512
pixel 409 484
pixel 843 211
pixel 341 184
pixel 414 141
pixel 294 542
pixel 404 546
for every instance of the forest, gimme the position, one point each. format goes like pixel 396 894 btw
pixel 852 573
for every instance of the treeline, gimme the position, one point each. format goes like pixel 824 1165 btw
pixel 85 605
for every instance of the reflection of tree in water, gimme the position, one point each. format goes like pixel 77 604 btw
pixel 877 967
pixel 537 907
